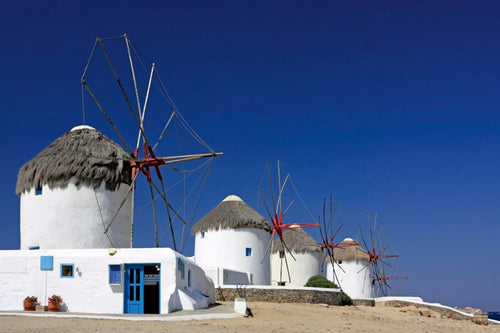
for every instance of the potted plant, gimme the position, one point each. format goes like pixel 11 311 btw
pixel 54 303
pixel 29 303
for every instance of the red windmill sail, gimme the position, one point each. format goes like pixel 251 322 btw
pixel 378 256
pixel 277 216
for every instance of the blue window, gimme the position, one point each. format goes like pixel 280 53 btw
pixel 67 270
pixel 203 234
pixel 189 278
pixel 36 247
pixel 46 263
pixel 180 267
pixel 115 274
pixel 38 190
pixel 248 251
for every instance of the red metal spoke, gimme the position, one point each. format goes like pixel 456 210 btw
pixel 330 245
pixel 144 165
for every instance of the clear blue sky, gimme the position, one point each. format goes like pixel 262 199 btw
pixel 390 106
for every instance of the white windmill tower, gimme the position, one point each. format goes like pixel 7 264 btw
pixel 233 237
pixel 79 192
pixel 362 273
pixel 308 258
pixel 352 272
pixel 68 197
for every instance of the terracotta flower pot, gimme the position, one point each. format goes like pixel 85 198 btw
pixel 29 305
pixel 54 307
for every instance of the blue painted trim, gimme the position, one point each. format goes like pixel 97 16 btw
pixel 159 289
pixel 72 271
pixel 115 274
pixel 46 263
pixel 180 267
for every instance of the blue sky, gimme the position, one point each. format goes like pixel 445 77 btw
pixel 390 106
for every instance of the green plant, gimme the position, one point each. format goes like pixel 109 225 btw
pixel 31 298
pixel 56 299
pixel 318 281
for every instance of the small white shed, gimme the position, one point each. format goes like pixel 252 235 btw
pixel 142 280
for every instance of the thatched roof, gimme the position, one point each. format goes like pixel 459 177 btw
pixel 354 252
pixel 232 213
pixel 83 153
pixel 297 241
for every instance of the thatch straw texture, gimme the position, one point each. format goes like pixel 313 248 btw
pixel 297 241
pixel 85 154
pixel 232 214
pixel 354 252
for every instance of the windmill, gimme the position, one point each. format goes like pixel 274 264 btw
pixel 328 245
pixel 379 260
pixel 132 86
pixel 274 208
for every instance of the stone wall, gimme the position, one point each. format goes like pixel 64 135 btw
pixel 279 295
pixel 429 310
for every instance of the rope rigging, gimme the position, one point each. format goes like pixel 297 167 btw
pixel 149 159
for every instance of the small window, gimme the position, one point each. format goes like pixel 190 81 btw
pixel 67 271
pixel 248 251
pixel 115 274
pixel 46 263
pixel 203 234
pixel 180 267
pixel 38 190
pixel 36 247
pixel 189 278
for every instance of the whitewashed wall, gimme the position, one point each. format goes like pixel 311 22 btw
pixel 89 291
pixel 355 278
pixel 304 266
pixel 72 218
pixel 190 297
pixel 223 276
pixel 226 248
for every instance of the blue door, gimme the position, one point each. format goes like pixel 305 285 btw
pixel 134 289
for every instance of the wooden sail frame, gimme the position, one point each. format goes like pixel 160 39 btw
pixel 148 161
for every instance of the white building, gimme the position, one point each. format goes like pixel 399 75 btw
pixel 156 280
pixel 308 258
pixel 230 244
pixel 75 194
pixel 76 236
pixel 353 272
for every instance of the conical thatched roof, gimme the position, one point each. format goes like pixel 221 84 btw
pixel 232 213
pixel 354 252
pixel 83 153
pixel 297 241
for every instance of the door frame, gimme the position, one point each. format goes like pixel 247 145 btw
pixel 126 289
